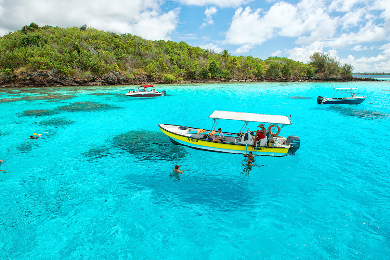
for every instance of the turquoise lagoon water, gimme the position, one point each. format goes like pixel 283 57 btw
pixel 377 77
pixel 96 185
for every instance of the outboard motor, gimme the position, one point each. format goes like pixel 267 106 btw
pixel 319 100
pixel 294 142
pixel 164 92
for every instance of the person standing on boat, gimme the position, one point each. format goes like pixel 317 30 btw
pixel 260 134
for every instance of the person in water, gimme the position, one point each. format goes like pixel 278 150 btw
pixel 34 136
pixel 250 156
pixel 248 167
pixel 176 173
pixel 2 162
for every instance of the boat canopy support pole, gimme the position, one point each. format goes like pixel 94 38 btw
pixel 214 124
pixel 243 127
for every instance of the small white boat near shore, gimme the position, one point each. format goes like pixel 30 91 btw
pixel 342 96
pixel 145 91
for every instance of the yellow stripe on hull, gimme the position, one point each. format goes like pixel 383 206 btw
pixel 224 147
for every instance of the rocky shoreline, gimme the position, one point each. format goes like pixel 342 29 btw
pixel 50 79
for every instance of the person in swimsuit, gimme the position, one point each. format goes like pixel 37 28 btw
pixel 250 156
pixel 2 162
pixel 176 173
pixel 248 167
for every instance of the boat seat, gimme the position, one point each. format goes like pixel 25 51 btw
pixel 230 139
pixel 198 136
pixel 263 142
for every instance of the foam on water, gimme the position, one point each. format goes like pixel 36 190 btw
pixel 96 184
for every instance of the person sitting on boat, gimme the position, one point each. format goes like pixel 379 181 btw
pixel 211 134
pixel 219 137
pixel 260 134
pixel 199 131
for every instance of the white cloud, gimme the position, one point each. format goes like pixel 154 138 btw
pixel 352 18
pixel 212 47
pixel 276 53
pixel 209 13
pixel 307 21
pixel 386 48
pixel 219 3
pixel 303 53
pixel 368 33
pixel 359 48
pixel 140 17
pixel 343 5
pixel 244 49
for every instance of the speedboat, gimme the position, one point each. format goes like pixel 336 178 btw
pixel 342 96
pixel 237 143
pixel 145 91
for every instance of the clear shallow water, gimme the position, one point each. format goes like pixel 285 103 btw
pixel 96 186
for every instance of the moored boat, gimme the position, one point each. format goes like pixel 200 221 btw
pixel 342 96
pixel 145 91
pixel 238 143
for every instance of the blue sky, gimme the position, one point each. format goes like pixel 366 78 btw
pixel 356 32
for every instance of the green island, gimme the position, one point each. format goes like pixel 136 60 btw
pixel 53 56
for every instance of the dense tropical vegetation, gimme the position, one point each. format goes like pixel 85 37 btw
pixel 88 54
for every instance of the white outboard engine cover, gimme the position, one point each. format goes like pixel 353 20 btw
pixel 294 142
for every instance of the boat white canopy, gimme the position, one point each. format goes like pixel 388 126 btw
pixel 251 117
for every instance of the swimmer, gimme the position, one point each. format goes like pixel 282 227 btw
pixel 2 162
pixel 248 167
pixel 35 136
pixel 176 172
pixel 250 156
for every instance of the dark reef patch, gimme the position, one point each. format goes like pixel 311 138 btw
pixel 97 153
pixel 86 106
pixel 299 97
pixel 148 145
pixel 365 114
pixel 56 122
pixel 50 97
pixel 39 112
pixel 101 94
pixel 27 146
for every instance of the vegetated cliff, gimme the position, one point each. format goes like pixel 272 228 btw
pixel 54 56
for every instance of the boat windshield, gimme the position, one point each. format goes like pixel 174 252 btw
pixel 344 92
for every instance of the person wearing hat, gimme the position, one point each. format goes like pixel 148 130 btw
pixel 260 134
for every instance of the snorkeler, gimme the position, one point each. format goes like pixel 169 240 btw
pixel 2 162
pixel 35 136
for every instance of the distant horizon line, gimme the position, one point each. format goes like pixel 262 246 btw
pixel 371 73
